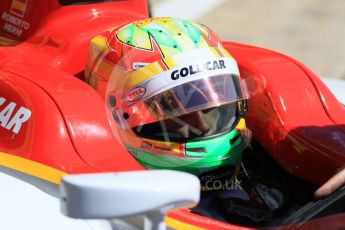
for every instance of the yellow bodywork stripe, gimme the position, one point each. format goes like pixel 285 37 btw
pixel 31 168
pixel 177 224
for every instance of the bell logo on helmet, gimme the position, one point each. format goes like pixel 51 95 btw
pixel 193 69
pixel 136 94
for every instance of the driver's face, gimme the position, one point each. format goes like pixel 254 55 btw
pixel 203 123
pixel 190 125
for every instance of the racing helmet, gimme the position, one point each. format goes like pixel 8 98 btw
pixel 175 94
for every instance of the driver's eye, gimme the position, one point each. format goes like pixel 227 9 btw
pixel 207 110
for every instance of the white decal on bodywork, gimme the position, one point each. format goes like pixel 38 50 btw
pixel 15 122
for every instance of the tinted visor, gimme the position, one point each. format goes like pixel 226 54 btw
pixel 200 108
pixel 195 96
pixel 197 124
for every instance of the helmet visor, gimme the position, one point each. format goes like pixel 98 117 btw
pixel 195 96
pixel 197 124
pixel 200 108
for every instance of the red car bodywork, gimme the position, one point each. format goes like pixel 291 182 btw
pixel 292 113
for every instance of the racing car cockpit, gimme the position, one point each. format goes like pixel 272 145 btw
pixel 259 129
pixel 180 102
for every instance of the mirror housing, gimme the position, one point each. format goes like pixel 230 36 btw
pixel 116 195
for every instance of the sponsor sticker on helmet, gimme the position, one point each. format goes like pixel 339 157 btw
pixel 193 69
pixel 138 65
pixel 136 93
pixel 182 74
pixel 146 145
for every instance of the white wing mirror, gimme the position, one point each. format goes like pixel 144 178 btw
pixel 116 195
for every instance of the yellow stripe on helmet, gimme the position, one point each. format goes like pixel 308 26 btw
pixel 143 74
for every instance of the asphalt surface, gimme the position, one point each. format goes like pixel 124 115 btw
pixel 311 31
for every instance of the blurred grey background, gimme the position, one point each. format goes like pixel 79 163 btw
pixel 311 31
